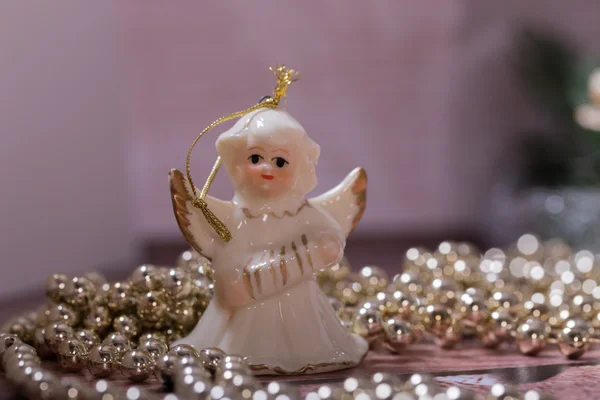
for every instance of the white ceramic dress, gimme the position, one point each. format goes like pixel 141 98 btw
pixel 268 306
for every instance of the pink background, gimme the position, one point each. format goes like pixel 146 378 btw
pixel 99 100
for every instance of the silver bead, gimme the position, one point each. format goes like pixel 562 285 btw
pixel 367 324
pixel 6 341
pixel 119 341
pixel 74 388
pixel 573 342
pixel 88 337
pixel 156 348
pixel 210 358
pixel 532 336
pixel 103 360
pixel 191 383
pixel 181 350
pixel 500 391
pixel 137 365
pixel 398 334
pixel 14 351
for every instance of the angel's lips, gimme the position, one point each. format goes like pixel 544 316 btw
pixel 268 177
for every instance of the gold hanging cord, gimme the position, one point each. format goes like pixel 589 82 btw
pixel 285 77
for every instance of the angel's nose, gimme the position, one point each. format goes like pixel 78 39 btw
pixel 266 168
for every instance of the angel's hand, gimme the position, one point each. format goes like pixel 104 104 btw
pixel 330 249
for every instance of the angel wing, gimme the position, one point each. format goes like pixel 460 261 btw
pixel 198 233
pixel 347 201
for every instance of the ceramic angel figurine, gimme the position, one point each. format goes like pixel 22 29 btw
pixel 267 305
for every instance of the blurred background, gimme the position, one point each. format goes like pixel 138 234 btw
pixel 99 100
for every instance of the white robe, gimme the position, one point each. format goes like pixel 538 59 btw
pixel 268 306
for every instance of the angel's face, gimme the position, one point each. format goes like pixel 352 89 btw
pixel 266 169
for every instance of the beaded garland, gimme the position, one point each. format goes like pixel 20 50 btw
pixel 533 294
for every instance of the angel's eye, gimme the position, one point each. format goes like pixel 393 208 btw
pixel 280 161
pixel 254 158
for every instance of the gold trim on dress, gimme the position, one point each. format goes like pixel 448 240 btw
pixel 298 259
pixel 283 265
pixel 308 255
pixel 247 280
pixel 307 368
pixel 257 278
pixel 271 268
pixel 248 214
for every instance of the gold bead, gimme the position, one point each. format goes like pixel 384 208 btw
pixel 153 336
pixel 348 292
pixel 437 318
pixel 55 287
pixel 153 307
pixel 410 282
pixel 128 325
pixel 503 299
pixel 40 343
pixel 177 283
pixel 103 360
pixel 22 327
pixel 472 308
pixel 56 333
pixel 184 316
pixel 61 313
pixel 502 324
pixel 98 320
pixel 367 323
pixel 72 355
pixel 182 350
pixel 137 365
pixel 156 348
pixel 119 341
pixel 585 305
pixel 573 342
pixel 532 336
pixel 443 291
pixel 347 315
pixel 450 337
pixel 398 334
pixel 373 279
pixel 146 278
pixel 202 291
pixel 210 358
pixel 96 278
pixel 120 298
pixel 88 337
pixel 79 292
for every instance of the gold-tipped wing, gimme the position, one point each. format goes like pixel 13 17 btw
pixel 198 233
pixel 347 201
